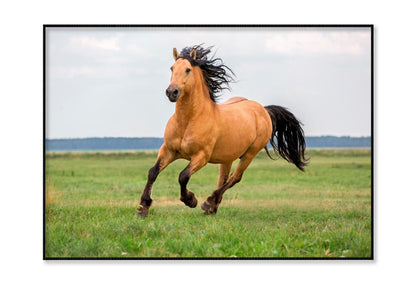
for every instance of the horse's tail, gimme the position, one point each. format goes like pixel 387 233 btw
pixel 290 138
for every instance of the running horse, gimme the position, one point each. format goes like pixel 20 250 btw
pixel 203 131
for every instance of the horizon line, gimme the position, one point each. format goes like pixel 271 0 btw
pixel 137 137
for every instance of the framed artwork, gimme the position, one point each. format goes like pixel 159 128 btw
pixel 204 142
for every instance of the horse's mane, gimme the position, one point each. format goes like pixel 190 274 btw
pixel 217 76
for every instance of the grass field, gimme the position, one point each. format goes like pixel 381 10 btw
pixel 275 211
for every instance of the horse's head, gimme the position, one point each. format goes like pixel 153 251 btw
pixel 182 79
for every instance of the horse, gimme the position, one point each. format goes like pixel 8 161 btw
pixel 203 131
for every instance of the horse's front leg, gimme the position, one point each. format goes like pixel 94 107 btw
pixel 197 162
pixel 165 157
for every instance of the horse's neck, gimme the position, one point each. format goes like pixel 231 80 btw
pixel 194 105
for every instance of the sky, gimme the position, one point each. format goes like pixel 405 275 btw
pixel 111 82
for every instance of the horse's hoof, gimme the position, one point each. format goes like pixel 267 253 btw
pixel 142 212
pixel 194 202
pixel 208 208
pixel 190 200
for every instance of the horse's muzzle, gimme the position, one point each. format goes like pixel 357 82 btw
pixel 172 92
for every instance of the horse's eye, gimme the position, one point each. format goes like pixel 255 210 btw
pixel 171 69
pixel 188 70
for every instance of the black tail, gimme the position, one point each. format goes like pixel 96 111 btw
pixel 288 132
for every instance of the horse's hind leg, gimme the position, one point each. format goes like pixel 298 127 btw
pixel 224 173
pixel 197 162
pixel 210 206
pixel 165 157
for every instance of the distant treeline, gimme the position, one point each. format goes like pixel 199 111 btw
pixel 155 143
pixel 332 141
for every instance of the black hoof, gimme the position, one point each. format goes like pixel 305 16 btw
pixel 190 200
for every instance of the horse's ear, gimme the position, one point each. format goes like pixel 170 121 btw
pixel 175 54
pixel 193 54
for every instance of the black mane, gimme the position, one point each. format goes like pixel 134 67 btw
pixel 217 76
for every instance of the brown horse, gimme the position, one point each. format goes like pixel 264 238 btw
pixel 203 131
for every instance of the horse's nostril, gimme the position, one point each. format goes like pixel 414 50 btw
pixel 175 91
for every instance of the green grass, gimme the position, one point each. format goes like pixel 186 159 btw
pixel 275 211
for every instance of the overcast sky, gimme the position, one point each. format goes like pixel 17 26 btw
pixel 110 82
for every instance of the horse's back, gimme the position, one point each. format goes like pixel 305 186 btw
pixel 242 108
pixel 234 99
